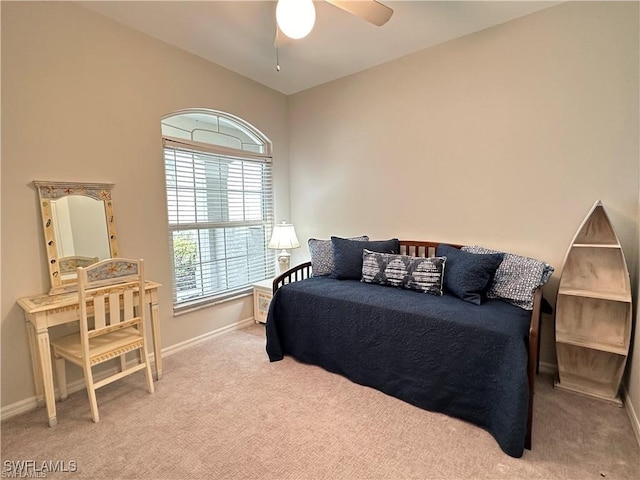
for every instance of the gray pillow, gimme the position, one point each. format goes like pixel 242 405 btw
pixel 404 271
pixel 321 252
pixel 517 277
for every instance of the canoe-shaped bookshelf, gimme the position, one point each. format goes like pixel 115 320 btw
pixel 593 311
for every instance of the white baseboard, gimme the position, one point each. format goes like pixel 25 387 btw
pixel 207 336
pixel 31 403
pixel 633 415
pixel 548 368
pixel 19 407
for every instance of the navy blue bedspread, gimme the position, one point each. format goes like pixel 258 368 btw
pixel 437 353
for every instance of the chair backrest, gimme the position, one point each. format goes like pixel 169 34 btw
pixel 71 264
pixel 107 292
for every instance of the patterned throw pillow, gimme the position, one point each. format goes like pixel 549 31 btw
pixel 517 277
pixel 403 271
pixel 321 252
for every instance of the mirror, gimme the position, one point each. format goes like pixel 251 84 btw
pixel 79 228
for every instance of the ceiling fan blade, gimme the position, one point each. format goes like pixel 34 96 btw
pixel 370 10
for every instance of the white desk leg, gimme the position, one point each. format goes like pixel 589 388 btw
pixel 157 343
pixel 47 375
pixel 35 363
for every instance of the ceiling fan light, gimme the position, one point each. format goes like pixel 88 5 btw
pixel 295 17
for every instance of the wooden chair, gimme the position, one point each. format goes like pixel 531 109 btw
pixel 106 290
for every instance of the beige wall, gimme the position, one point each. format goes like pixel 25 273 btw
pixel 504 138
pixel 82 98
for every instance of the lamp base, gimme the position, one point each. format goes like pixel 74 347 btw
pixel 284 260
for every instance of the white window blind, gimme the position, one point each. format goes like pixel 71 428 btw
pixel 220 210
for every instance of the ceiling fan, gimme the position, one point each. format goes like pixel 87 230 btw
pixel 295 18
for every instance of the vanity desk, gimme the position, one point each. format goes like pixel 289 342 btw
pixel 45 311
pixel 79 229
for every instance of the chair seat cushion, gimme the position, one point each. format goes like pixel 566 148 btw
pixel 102 347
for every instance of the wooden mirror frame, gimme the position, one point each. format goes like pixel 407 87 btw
pixel 48 191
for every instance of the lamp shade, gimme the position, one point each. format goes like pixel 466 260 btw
pixel 284 236
pixel 295 18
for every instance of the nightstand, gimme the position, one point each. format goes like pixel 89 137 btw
pixel 262 293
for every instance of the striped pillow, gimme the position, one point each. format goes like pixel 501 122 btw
pixel 403 271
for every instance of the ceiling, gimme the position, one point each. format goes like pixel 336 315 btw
pixel 239 35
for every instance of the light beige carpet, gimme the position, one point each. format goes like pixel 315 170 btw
pixel 222 411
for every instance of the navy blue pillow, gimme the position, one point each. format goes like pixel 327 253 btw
pixel 347 255
pixel 467 275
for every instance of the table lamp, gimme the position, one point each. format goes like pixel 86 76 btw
pixel 284 237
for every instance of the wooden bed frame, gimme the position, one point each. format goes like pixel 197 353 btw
pixel 428 249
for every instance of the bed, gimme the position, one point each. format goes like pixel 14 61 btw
pixel 439 353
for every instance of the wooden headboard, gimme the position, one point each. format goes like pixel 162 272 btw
pixel 418 248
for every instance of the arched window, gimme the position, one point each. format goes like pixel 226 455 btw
pixel 219 203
